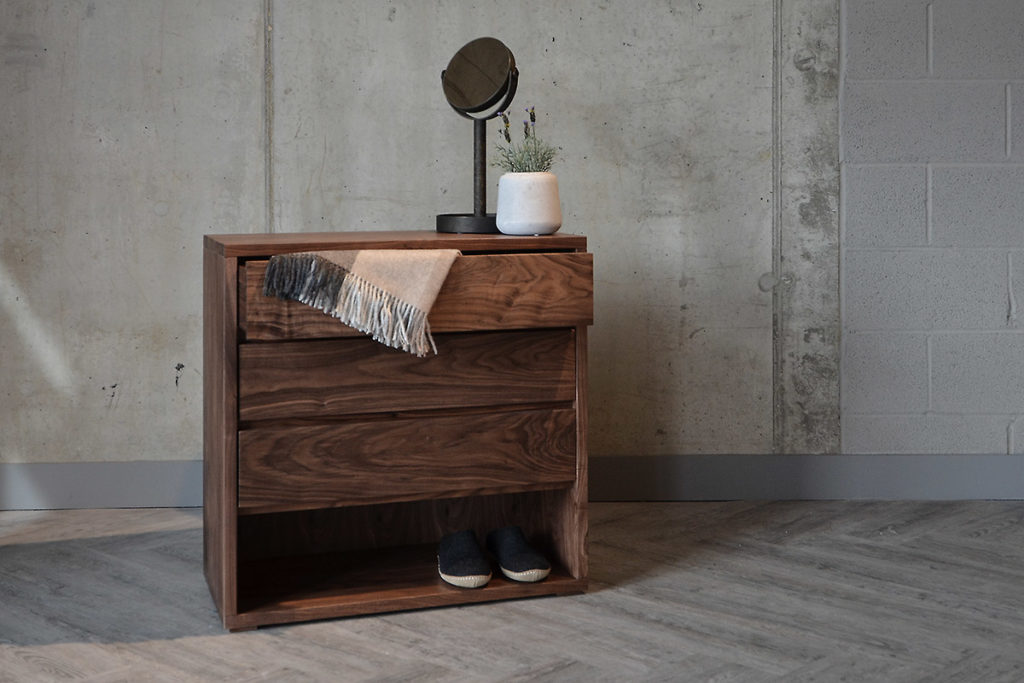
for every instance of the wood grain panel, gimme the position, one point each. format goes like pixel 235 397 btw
pixel 380 461
pixel 316 587
pixel 570 525
pixel 347 376
pixel 248 245
pixel 485 292
pixel 220 400
pixel 507 291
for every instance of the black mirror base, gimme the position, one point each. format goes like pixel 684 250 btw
pixel 466 223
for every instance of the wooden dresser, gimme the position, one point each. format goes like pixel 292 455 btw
pixel 333 464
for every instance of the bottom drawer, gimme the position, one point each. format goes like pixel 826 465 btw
pixel 380 461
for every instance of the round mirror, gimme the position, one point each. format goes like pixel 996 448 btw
pixel 480 79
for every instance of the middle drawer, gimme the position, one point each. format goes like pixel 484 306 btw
pixel 305 379
pixel 375 460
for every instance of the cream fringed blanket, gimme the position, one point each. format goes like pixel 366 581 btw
pixel 386 293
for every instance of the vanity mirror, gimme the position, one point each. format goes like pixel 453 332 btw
pixel 480 81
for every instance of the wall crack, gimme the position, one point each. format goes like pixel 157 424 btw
pixel 1011 306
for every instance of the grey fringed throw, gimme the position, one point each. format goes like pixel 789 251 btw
pixel 386 293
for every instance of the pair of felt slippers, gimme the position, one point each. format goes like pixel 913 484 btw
pixel 461 562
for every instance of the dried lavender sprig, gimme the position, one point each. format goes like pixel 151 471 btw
pixel 531 155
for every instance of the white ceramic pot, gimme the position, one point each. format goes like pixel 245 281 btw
pixel 528 204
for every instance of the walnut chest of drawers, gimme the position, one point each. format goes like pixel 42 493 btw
pixel 333 464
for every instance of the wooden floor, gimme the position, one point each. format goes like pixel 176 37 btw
pixel 808 591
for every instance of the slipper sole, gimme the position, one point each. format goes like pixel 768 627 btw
pixel 527 576
pixel 470 581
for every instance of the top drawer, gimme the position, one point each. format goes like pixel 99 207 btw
pixel 482 292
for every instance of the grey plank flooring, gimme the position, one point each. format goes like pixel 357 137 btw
pixel 735 591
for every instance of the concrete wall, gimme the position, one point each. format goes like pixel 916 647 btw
pixel 127 130
pixel 933 216
pixel 698 155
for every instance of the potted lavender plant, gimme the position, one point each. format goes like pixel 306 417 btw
pixel 528 201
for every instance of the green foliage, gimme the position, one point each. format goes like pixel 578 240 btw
pixel 532 155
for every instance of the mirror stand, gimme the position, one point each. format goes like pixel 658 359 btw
pixel 479 82
pixel 479 221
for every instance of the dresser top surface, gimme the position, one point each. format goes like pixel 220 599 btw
pixel 263 244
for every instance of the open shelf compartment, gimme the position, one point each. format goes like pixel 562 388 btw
pixel 318 564
pixel 301 588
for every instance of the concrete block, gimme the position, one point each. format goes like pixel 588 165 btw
pixel 885 206
pixel 977 373
pixel 885 373
pixel 931 289
pixel 981 206
pixel 886 39
pixel 978 39
pixel 915 122
pixel 922 434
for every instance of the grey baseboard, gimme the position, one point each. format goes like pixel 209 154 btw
pixel 47 486
pixel 53 486
pixel 807 477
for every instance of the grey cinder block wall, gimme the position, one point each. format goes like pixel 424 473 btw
pixel 933 226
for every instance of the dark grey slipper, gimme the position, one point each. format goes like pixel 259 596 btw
pixel 460 561
pixel 517 560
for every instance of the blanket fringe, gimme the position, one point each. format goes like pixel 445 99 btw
pixel 328 287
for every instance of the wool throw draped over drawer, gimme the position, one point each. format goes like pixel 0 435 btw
pixel 385 293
